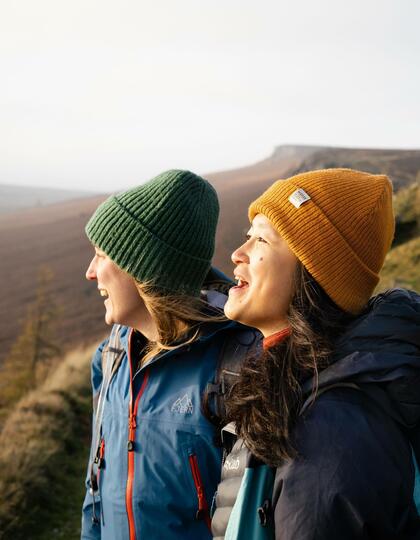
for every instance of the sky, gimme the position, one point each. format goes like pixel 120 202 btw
pixel 102 95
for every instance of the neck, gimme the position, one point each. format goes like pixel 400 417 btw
pixel 148 328
pixel 276 338
pixel 268 331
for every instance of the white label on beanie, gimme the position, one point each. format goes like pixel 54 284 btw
pixel 298 197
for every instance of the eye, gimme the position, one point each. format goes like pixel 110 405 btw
pixel 247 236
pixel 261 239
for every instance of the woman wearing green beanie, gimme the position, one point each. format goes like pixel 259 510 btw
pixel 154 465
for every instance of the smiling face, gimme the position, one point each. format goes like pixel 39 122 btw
pixel 123 303
pixel 265 268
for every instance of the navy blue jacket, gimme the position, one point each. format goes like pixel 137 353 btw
pixel 354 475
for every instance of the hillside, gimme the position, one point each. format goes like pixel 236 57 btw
pixel 400 165
pixel 53 235
pixel 13 198
pixel 44 448
pixel 402 264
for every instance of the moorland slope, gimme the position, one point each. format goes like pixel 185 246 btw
pixel 53 235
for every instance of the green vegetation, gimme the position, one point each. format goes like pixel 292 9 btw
pixel 407 212
pixel 402 265
pixel 43 455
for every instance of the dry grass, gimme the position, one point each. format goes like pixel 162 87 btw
pixel 402 267
pixel 40 445
pixel 407 203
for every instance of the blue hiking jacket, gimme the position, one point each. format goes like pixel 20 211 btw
pixel 163 486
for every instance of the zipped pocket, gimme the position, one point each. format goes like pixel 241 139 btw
pixel 203 507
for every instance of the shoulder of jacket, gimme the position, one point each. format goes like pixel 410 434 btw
pixel 398 296
pixel 123 332
pixel 97 355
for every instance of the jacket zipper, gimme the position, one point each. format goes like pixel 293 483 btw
pixel 203 507
pixel 132 424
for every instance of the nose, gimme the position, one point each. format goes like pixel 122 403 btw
pixel 91 271
pixel 240 255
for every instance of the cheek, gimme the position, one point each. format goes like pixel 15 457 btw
pixel 276 282
pixel 105 273
pixel 132 299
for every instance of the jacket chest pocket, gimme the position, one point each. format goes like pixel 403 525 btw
pixel 203 510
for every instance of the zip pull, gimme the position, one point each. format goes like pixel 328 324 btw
pixel 131 433
pixel 264 513
pixel 95 482
pixel 99 458
pixel 202 504
pixel 101 465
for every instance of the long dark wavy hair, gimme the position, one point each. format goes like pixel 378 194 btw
pixel 266 400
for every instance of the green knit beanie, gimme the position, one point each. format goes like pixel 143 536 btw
pixel 161 232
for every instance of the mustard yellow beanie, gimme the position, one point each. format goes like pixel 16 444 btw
pixel 339 223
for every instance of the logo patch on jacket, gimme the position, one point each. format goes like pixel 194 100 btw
pixel 231 464
pixel 183 405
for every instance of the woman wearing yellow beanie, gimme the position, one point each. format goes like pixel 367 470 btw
pixel 329 409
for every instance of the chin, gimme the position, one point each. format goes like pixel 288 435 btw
pixel 228 311
pixel 232 313
pixel 109 319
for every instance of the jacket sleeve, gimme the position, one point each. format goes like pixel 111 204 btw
pixel 350 480
pixel 91 530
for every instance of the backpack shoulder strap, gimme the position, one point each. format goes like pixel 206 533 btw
pixel 237 345
pixel 113 352
pixel 112 355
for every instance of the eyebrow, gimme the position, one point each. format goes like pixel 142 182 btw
pixel 262 231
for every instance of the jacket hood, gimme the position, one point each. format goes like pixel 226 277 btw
pixel 380 353
pixel 214 292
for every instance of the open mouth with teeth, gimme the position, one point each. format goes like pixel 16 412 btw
pixel 103 292
pixel 241 284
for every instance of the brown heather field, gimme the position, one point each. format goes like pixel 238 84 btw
pixel 49 236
